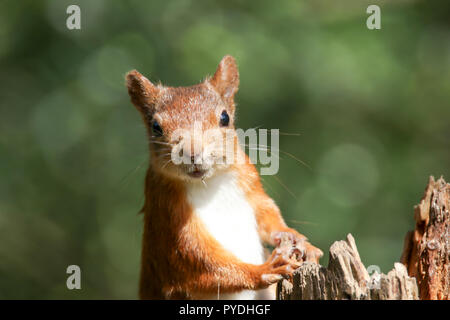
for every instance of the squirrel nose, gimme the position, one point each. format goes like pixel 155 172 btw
pixel 191 157
pixel 196 158
pixel 192 151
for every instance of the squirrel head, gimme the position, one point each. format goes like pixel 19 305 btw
pixel 190 129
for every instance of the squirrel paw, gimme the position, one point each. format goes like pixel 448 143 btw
pixel 279 266
pixel 296 246
pixel 313 254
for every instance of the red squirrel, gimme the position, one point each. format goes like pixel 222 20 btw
pixel 205 222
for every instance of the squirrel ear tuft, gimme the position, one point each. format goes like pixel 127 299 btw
pixel 143 93
pixel 226 78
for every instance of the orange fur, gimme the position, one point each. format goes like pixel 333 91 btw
pixel 180 259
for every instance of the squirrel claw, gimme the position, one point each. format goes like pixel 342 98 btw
pixel 271 278
pixel 296 246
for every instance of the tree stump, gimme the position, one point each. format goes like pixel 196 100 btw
pixel 346 278
pixel 424 271
pixel 426 252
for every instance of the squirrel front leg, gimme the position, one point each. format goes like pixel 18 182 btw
pixel 217 269
pixel 272 228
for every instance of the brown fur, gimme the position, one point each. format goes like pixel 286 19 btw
pixel 180 259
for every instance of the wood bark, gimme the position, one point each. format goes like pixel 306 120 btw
pixel 346 278
pixel 426 252
pixel 424 271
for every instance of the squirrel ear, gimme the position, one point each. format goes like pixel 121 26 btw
pixel 143 93
pixel 226 78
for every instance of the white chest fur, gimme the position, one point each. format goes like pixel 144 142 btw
pixel 224 210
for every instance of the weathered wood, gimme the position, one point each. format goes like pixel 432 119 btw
pixel 424 271
pixel 347 278
pixel 426 252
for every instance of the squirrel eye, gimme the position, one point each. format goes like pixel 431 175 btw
pixel 224 119
pixel 156 128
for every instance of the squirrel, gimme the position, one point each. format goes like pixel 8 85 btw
pixel 205 222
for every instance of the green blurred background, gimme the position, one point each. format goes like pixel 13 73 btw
pixel 370 110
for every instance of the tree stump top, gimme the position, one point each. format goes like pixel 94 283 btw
pixel 424 271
